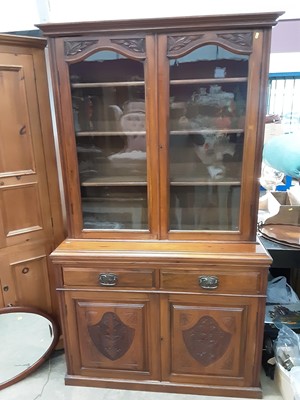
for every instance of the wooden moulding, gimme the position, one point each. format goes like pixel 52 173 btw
pixel 213 22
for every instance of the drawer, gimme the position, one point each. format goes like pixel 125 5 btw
pixel 206 281
pixel 108 277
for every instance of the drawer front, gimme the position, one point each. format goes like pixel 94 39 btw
pixel 108 277
pixel 206 281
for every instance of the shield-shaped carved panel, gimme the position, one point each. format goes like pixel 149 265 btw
pixel 206 341
pixel 111 336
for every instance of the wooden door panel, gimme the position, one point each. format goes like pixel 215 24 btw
pixel 114 337
pixel 15 139
pixel 110 333
pixel 21 209
pixel 32 273
pixel 24 195
pixel 24 276
pixel 207 339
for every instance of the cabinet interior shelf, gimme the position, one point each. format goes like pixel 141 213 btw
pixel 172 82
pixel 112 133
pixel 206 131
pixel 141 133
pixel 207 81
pixel 99 199
pixel 136 181
pixel 106 84
pixel 115 181
pixel 204 183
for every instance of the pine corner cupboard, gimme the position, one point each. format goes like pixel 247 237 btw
pixel 31 221
pixel 161 280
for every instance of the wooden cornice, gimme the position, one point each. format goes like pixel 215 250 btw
pixel 26 41
pixel 212 22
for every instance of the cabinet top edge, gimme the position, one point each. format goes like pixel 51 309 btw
pixel 23 41
pixel 207 22
pixel 235 252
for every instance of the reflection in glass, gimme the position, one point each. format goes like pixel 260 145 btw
pixel 27 338
pixel 208 90
pixel 108 97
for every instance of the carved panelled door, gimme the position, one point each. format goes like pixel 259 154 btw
pixel 117 333
pixel 204 339
pixel 26 232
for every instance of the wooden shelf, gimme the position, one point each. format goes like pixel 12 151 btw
pixel 207 81
pixel 172 82
pixel 139 181
pixel 204 182
pixel 112 133
pixel 206 131
pixel 105 84
pixel 173 132
pixel 89 200
pixel 115 181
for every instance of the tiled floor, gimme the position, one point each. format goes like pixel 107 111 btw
pixel 47 383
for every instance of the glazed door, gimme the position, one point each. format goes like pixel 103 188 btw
pixel 109 120
pixel 209 340
pixel 112 335
pixel 208 134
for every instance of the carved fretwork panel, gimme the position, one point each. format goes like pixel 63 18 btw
pixel 179 45
pixel 206 341
pixel 137 45
pixel 79 49
pixel 182 43
pixel 242 41
pixel 73 47
pixel 111 336
pixel 206 338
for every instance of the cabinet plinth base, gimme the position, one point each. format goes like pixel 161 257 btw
pixel 166 387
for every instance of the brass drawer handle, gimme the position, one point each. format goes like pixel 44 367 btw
pixel 108 279
pixel 209 282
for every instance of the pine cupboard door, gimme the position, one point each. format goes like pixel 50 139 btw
pixel 25 280
pixel 209 340
pixel 112 335
pixel 24 200
pixel 31 223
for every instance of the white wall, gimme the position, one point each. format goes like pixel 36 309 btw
pixel 23 14
pixel 121 9
pixel 284 62
pixel 18 15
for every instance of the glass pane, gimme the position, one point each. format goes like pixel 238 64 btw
pixel 208 91
pixel 108 94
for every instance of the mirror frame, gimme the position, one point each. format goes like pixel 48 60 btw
pixel 45 356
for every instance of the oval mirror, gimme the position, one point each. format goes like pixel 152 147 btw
pixel 27 338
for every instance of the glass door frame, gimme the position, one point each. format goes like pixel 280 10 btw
pixel 65 123
pixel 255 107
